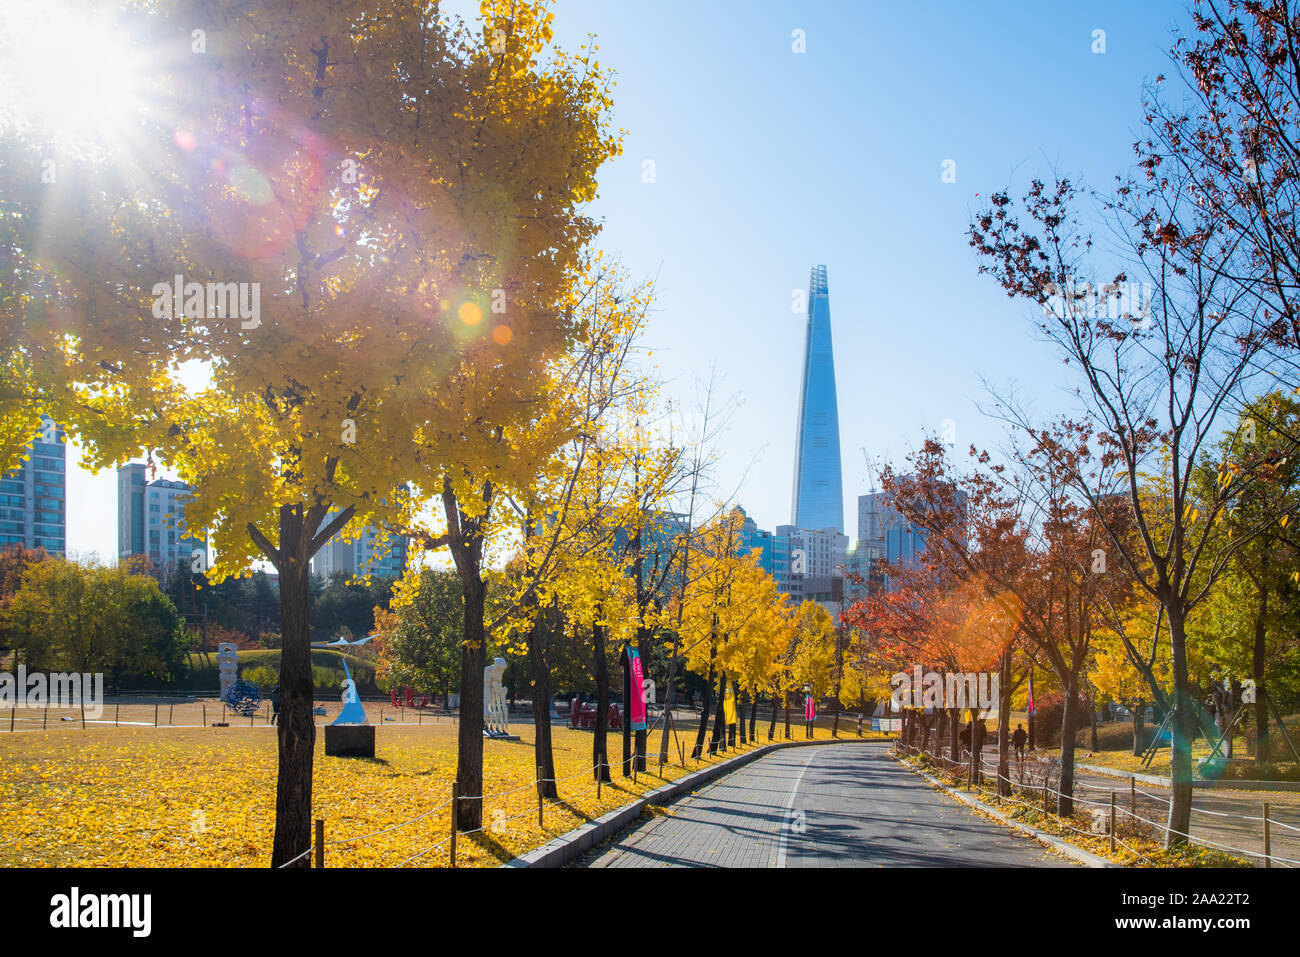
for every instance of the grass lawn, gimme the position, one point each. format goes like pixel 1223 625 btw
pixel 205 797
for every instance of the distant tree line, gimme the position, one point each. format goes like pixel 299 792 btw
pixel 59 615
pixel 246 610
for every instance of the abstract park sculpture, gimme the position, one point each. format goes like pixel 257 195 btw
pixel 243 697
pixel 227 666
pixel 350 735
pixel 496 712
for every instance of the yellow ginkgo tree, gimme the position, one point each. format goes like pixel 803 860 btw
pixel 335 263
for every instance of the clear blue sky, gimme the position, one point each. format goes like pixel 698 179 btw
pixel 768 162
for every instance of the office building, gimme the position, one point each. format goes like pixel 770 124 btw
pixel 34 496
pixel 371 554
pixel 886 538
pixel 151 522
pixel 374 552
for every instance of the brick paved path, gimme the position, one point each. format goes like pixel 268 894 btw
pixel 828 806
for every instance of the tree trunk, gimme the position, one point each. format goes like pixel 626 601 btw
pixel 599 741
pixel 1139 745
pixel 740 715
pixel 697 752
pixel 954 736
pixel 1183 724
pixel 835 724
pixel 539 647
pixel 1004 726
pixel 670 701
pixel 753 719
pixel 1258 663
pixel 1092 718
pixel 787 716
pixel 719 736
pixel 771 728
pixel 469 742
pixel 1069 720
pixel 296 731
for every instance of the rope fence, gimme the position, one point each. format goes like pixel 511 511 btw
pixel 986 768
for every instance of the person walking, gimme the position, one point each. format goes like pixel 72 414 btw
pixel 275 704
pixel 809 714
pixel 1018 740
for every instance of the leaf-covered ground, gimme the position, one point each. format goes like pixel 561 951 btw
pixel 203 797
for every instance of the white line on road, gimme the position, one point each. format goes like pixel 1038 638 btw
pixel 789 805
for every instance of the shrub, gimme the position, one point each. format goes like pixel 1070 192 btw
pixel 1238 770
pixel 264 677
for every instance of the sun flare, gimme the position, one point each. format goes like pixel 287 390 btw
pixel 69 72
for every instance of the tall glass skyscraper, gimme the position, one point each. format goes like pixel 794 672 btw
pixel 818 487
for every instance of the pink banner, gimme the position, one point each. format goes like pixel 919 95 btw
pixel 636 707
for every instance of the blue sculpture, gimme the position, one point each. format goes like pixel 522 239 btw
pixel 352 712
pixel 243 697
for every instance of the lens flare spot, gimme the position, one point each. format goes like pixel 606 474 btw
pixel 251 185
pixel 185 140
pixel 501 335
pixel 470 313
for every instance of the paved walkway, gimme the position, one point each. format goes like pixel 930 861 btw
pixel 843 805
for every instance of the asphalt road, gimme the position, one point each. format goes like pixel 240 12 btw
pixel 846 805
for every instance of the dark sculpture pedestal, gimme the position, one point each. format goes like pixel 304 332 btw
pixel 350 740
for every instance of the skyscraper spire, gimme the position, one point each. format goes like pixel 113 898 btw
pixel 818 487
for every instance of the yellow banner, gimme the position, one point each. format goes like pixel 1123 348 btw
pixel 729 708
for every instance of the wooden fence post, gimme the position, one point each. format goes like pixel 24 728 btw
pixel 1268 839
pixel 455 805
pixel 1112 822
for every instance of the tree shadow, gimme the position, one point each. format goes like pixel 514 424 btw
pixel 490 844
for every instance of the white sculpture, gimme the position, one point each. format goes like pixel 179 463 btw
pixel 227 665
pixel 496 714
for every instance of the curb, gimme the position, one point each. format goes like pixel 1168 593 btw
pixel 1208 783
pixel 563 849
pixel 1062 847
